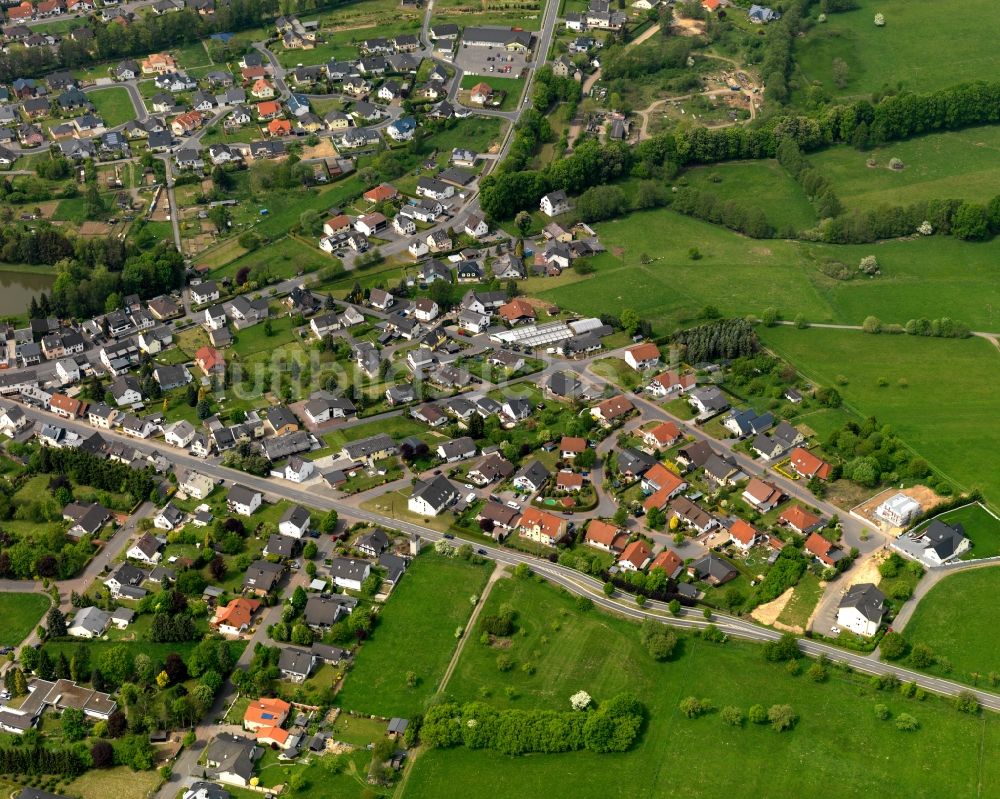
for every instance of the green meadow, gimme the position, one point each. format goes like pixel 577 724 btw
pixel 838 748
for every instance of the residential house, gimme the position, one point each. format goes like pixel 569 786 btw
pixel 642 356
pixel 541 527
pixel 636 556
pixel 762 495
pixel 531 477
pixel 808 465
pixel 235 618
pixel 713 570
pixel 743 535
pixel 861 609
pixel 431 497
pixel 243 500
pixel 605 536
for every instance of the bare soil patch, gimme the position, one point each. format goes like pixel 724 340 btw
pixel 768 612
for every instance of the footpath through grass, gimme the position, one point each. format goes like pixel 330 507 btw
pixel 416 632
pixel 838 749
pixel 955 619
pixel 20 614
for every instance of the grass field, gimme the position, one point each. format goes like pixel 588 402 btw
pixel 981 527
pixel 953 620
pixel 922 46
pixel 416 632
pixel 948 410
pixel 761 184
pixel 963 164
pixel 20 612
pixel 113 105
pixel 120 782
pixel 284 258
pixel 838 749
pixel 930 276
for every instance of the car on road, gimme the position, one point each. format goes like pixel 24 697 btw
pixel 448 535
pixel 480 551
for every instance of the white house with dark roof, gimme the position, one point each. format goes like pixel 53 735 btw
pixel 861 609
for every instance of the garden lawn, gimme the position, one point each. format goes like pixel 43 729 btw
pixel 762 184
pixel 283 258
pixel 922 47
pixel 254 340
pixel 838 748
pixel 416 632
pixel 963 164
pixel 20 612
pixel 948 409
pixel 113 105
pixel 954 620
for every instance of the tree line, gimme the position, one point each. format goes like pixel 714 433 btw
pixel 613 727
pixel 65 761
pixel 512 188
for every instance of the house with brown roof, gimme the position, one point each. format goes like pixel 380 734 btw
pixel 158 64
pixel 693 515
pixel 662 485
pixel 381 193
pixel 67 407
pixel 613 409
pixel 606 536
pixel 825 551
pixel 571 446
pixel 635 557
pixel 672 382
pixel 541 527
pixel 669 561
pixel 642 356
pixel 808 465
pixel 517 310
pixel 743 534
pixel 210 360
pixel 568 481
pixel 800 520
pixel 664 435
pixel 481 93
pixel 503 518
pixel 265 712
pixel 235 618
pixel 762 495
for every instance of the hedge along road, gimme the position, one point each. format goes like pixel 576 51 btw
pixel 573 581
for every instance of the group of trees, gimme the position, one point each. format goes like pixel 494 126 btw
pixel 817 187
pixel 723 338
pixel 512 187
pixel 612 727
pixel 744 218
pixel 66 762
pixel 87 469
pixel 945 327
pixel 872 454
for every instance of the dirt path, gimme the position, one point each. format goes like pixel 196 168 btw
pixel 591 79
pixel 495 575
